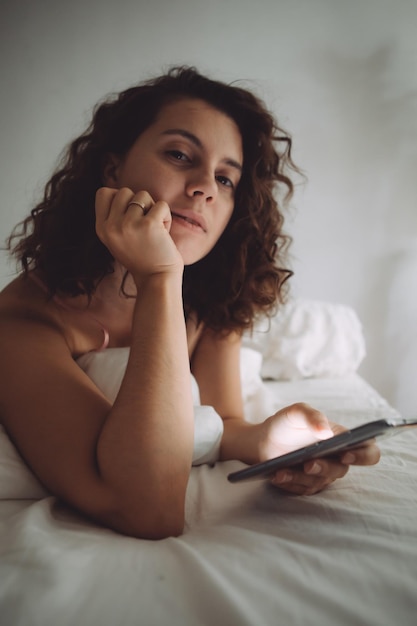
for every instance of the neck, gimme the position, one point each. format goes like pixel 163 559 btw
pixel 113 308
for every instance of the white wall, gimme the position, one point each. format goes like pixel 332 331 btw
pixel 340 75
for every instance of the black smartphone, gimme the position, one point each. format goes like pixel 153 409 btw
pixel 327 447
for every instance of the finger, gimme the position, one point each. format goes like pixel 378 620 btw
pixel 109 203
pixel 314 472
pixel 369 454
pixel 140 201
pixel 103 201
pixel 161 212
pixel 326 467
pixel 109 218
pixel 303 416
pixel 296 484
pixel 139 204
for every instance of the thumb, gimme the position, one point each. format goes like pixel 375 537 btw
pixel 302 416
pixel 162 213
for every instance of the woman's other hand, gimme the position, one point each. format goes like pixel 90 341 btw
pixel 299 425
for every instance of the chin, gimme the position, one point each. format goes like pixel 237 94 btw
pixel 191 259
pixel 190 256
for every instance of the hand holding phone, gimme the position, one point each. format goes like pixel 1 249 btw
pixel 327 447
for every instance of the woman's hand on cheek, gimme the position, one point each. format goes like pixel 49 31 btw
pixel 135 229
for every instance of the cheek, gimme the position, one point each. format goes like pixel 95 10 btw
pixel 144 175
pixel 223 221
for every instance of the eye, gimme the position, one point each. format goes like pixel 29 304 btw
pixel 223 180
pixel 177 155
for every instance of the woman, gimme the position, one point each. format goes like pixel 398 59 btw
pixel 177 172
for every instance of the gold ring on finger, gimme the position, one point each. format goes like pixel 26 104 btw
pixel 138 204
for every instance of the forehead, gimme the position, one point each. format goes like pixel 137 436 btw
pixel 210 125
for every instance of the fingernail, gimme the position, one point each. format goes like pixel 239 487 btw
pixel 314 469
pixel 283 478
pixel 325 433
pixel 349 457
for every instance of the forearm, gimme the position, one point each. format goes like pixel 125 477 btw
pixel 240 441
pixel 145 447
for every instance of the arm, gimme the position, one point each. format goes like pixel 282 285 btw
pixel 151 422
pixel 127 465
pixel 216 366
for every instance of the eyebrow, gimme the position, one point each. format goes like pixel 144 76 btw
pixel 195 140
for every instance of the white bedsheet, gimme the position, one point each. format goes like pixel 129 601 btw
pixel 249 555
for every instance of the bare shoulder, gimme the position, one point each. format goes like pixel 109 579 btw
pixel 31 331
pixel 23 305
pixel 34 351
pixel 51 410
pixel 26 324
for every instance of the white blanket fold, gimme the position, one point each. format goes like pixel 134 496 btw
pixel 107 369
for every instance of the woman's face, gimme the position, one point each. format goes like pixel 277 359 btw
pixel 191 157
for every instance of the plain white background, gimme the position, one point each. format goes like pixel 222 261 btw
pixel 340 75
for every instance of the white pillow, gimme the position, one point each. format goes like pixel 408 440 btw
pixel 17 482
pixel 308 338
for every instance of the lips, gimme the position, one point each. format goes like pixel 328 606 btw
pixel 192 218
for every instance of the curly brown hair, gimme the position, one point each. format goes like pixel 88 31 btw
pixel 242 276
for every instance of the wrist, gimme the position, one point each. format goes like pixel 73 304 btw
pixel 159 281
pixel 159 309
pixel 240 441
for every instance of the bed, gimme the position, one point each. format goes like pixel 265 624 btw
pixel 250 555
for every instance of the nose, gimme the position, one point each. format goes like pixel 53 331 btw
pixel 202 183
